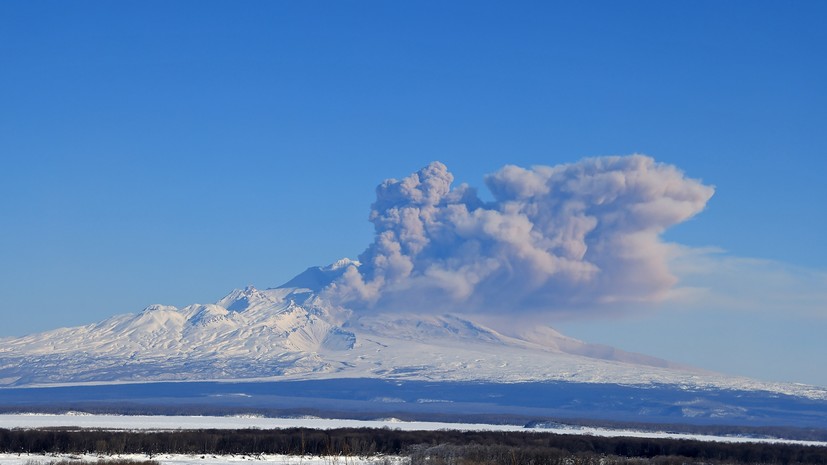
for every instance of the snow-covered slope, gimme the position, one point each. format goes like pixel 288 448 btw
pixel 291 333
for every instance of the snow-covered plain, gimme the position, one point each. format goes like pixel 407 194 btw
pixel 182 459
pixel 172 423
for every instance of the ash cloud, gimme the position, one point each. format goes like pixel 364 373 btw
pixel 555 239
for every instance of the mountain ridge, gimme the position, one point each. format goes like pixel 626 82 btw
pixel 291 333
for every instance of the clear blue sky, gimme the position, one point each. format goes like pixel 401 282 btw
pixel 168 152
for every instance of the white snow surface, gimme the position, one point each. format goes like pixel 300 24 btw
pixel 208 459
pixel 291 333
pixel 173 423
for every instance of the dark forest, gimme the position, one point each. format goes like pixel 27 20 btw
pixel 432 447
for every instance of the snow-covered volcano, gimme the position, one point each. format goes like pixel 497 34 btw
pixel 291 333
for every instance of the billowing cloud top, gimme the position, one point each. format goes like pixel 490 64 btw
pixel 555 238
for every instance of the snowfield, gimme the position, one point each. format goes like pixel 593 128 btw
pixel 291 333
pixel 306 355
pixel 172 423
pixel 181 459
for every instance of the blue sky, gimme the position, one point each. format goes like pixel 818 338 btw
pixel 167 152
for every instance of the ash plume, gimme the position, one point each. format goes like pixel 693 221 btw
pixel 568 237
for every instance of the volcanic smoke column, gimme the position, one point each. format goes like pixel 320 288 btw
pixel 568 237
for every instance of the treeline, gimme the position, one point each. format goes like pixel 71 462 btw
pixel 433 447
pixel 789 432
pixel 800 433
